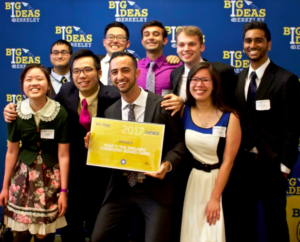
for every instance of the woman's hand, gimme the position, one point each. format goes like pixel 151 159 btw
pixel 213 211
pixel 4 197
pixel 62 204
pixel 87 139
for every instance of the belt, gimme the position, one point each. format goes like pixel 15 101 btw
pixel 205 167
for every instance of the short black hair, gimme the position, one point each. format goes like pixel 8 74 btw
pixel 155 23
pixel 258 25
pixel 122 53
pixel 117 25
pixel 62 42
pixel 86 53
pixel 32 66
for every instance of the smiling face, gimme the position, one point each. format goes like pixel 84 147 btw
pixel 87 83
pixel 35 84
pixel 153 39
pixel 201 85
pixel 115 45
pixel 63 58
pixel 123 74
pixel 256 46
pixel 189 49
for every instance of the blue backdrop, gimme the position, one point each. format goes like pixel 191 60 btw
pixel 28 29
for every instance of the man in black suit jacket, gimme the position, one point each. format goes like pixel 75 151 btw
pixel 84 201
pixel 60 54
pixel 268 99
pixel 153 193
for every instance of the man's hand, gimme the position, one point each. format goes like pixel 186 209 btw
pixel 10 113
pixel 164 167
pixel 62 203
pixel 172 102
pixel 87 139
pixel 172 59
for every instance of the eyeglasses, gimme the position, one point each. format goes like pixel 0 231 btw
pixel 85 71
pixel 63 52
pixel 204 80
pixel 119 38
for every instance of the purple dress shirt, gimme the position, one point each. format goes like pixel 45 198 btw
pixel 162 71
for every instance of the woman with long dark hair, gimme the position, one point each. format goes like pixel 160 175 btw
pixel 212 135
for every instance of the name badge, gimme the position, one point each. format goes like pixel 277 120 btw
pixel 164 92
pixel 262 105
pixel 47 133
pixel 219 131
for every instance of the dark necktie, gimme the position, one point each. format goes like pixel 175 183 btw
pixel 85 119
pixel 150 81
pixel 252 89
pixel 63 80
pixel 131 175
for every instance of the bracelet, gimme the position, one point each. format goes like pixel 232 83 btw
pixel 63 190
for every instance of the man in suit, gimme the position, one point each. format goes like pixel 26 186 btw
pixel 84 95
pixel 189 48
pixel 60 54
pixel 152 193
pixel 268 99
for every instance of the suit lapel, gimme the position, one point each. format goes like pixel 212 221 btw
pixel 117 114
pixel 176 80
pixel 240 94
pixel 151 104
pixel 265 83
pixel 74 100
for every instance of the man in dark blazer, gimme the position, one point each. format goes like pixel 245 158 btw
pixel 84 201
pixel 268 99
pixel 153 192
pixel 60 54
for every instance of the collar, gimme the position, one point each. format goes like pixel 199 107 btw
pixel 140 101
pixel 58 77
pixel 159 61
pixel 47 113
pixel 91 98
pixel 106 59
pixel 187 70
pixel 259 71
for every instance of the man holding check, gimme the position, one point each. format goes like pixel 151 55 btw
pixel 152 193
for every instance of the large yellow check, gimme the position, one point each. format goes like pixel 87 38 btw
pixel 126 145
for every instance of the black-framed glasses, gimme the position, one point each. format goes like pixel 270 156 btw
pixel 63 52
pixel 85 71
pixel 119 38
pixel 204 80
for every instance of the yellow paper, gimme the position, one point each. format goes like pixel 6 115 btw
pixel 126 145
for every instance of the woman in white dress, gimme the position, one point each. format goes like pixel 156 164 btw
pixel 212 136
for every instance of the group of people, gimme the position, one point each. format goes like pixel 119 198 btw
pixel 226 136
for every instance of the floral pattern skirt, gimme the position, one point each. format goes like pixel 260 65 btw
pixel 33 195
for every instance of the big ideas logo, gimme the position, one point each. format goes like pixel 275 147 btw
pixel 20 57
pixel 294 32
pixel 172 30
pixel 128 11
pixel 75 35
pixel 244 12
pixel 237 59
pixel 22 12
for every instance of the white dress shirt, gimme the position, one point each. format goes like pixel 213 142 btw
pixel 105 69
pixel 139 112
pixel 56 80
pixel 182 82
pixel 259 74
